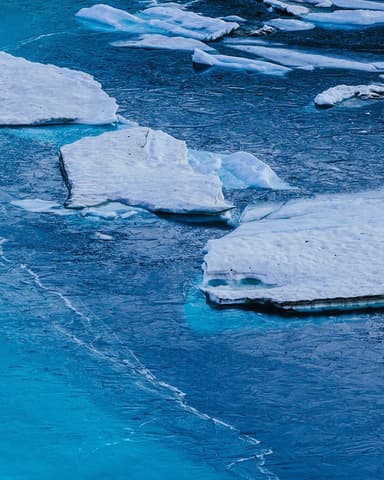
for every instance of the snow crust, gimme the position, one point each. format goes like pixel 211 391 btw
pixel 238 63
pixel 338 94
pixel 157 41
pixel 139 167
pixel 169 19
pixel 306 255
pixel 37 94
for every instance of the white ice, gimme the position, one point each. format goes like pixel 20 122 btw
pixel 36 94
pixel 156 41
pixel 347 18
pixel 139 167
pixel 340 93
pixel 290 24
pixel 168 19
pixel 358 4
pixel 303 59
pixel 307 255
pixel 286 7
pixel 238 63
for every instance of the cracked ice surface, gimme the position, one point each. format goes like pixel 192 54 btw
pixel 140 167
pixel 306 255
pixel 36 94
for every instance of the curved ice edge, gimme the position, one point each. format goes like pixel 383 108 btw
pixel 303 307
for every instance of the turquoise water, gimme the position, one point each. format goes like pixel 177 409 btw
pixel 112 364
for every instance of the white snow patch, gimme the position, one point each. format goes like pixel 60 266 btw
pixel 238 63
pixel 338 94
pixel 156 41
pixel 34 94
pixel 139 167
pixel 306 255
pixel 169 19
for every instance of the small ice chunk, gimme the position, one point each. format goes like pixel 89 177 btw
pixel 169 19
pixel 102 236
pixel 238 63
pixel 338 94
pixel 290 24
pixel 305 59
pixel 139 167
pixel 285 7
pixel 312 255
pixel 164 42
pixel 347 18
pixel 37 94
pixel 234 18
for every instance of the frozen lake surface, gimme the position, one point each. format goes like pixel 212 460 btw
pixel 113 364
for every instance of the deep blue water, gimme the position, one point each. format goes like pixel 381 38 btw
pixel 112 364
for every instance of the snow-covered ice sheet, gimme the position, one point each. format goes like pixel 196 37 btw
pixel 290 24
pixel 238 63
pixel 347 18
pixel 285 7
pixel 36 94
pixel 157 41
pixel 139 167
pixel 303 59
pixel 340 93
pixel 169 19
pixel 358 4
pixel 311 255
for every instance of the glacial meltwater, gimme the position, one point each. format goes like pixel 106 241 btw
pixel 113 364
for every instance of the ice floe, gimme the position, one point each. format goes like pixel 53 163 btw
pixel 290 24
pixel 238 63
pixel 285 7
pixel 156 41
pixel 304 255
pixel 170 19
pixel 340 93
pixel 139 167
pixel 358 4
pixel 37 94
pixel 301 58
pixel 347 18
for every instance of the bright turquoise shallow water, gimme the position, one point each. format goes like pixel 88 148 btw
pixel 112 365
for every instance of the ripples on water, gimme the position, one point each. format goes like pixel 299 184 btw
pixel 113 366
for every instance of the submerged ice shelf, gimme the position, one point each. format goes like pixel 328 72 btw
pixel 163 42
pixel 313 255
pixel 37 94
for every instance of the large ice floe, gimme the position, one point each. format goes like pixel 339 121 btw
pixel 163 42
pixel 347 18
pixel 238 63
pixel 340 93
pixel 300 58
pixel 169 19
pixel 139 167
pixel 314 255
pixel 37 94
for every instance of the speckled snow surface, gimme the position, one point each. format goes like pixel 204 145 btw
pixel 306 255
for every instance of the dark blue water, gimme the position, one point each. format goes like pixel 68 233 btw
pixel 112 364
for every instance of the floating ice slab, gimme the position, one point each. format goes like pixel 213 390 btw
pixel 290 24
pixel 164 42
pixel 139 167
pixel 347 18
pixel 36 94
pixel 305 255
pixel 304 59
pixel 285 7
pixel 238 63
pixel 340 93
pixel 170 19
pixel 358 4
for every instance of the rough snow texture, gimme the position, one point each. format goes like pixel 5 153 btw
pixel 306 255
pixel 338 94
pixel 168 19
pixel 156 41
pixel 303 59
pixel 238 63
pixel 139 167
pixel 37 94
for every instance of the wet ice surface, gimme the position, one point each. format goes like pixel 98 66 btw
pixel 82 316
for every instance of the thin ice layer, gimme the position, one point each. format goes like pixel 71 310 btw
pixel 139 167
pixel 307 255
pixel 163 42
pixel 340 93
pixel 238 63
pixel 168 19
pixel 33 93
